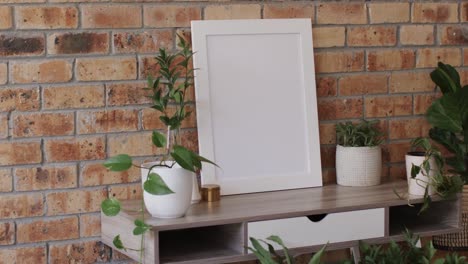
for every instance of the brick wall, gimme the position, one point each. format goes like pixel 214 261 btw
pixel 71 73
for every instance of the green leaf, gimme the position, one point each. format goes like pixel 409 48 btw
pixel 118 243
pixel 278 240
pixel 426 201
pixel 159 140
pixel 317 256
pixel 139 230
pixel 154 184
pixel 446 77
pixel 120 162
pixel 415 170
pixel 183 157
pixel 110 206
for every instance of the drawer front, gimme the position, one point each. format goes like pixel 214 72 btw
pixel 336 227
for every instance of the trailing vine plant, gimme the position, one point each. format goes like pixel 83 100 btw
pixel 168 94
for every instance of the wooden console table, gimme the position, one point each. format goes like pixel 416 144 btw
pixel 218 232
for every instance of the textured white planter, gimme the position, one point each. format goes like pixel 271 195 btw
pixel 417 186
pixel 358 166
pixel 174 205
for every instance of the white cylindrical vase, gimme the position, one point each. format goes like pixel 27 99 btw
pixel 358 166
pixel 173 205
pixel 418 184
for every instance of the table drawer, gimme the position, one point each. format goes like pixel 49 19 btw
pixel 336 227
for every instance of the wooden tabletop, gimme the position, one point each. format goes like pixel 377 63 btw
pixel 280 204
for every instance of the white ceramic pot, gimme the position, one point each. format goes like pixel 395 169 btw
pixel 358 166
pixel 417 185
pixel 173 205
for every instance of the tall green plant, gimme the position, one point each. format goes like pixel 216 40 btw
pixel 168 93
pixel 449 117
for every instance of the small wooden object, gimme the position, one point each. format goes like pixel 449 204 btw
pixel 211 193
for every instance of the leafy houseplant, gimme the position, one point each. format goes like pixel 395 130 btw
pixel 427 175
pixel 408 253
pixel 448 116
pixel 358 154
pixel 168 94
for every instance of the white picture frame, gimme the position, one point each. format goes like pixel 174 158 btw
pixel 256 104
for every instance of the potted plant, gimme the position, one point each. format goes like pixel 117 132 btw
pixel 448 116
pixel 358 154
pixel 167 182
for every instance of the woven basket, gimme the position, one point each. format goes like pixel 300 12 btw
pixel 358 166
pixel 456 241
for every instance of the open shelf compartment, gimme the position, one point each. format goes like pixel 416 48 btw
pixel 179 246
pixel 440 217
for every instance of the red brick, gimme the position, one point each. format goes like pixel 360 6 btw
pixel 417 34
pixel 20 99
pixel 96 174
pixel 171 15
pixel 388 106
pixel 342 13
pixel 90 225
pixel 389 12
pixel 6 17
pixel 327 133
pixel 43 124
pixel 4 125
pixel 77 43
pixel 363 84
pixel 464 12
pixel 382 60
pixel 72 202
pixel 409 128
pixel 326 37
pixel 435 12
pixel 50 17
pixel 429 57
pixel 6 180
pixel 290 10
pixel 15 153
pixel 3 73
pixel 22 1
pixel 48 230
pixel 119 94
pixel 18 255
pixel 465 57
pixel 327 155
pixel 422 103
pixel 76 96
pixel 126 192
pixel 7 233
pixel 410 82
pixel 398 171
pixel 150 118
pixel 372 36
pixel 133 144
pixel 100 69
pixel 143 42
pixel 453 35
pixel 45 178
pixel 79 252
pixel 233 12
pixel 329 177
pixel 347 61
pixel 21 205
pixel 86 148
pixel 40 71
pixel 395 151
pixel 111 16
pixel 340 109
pixel 116 120
pixel 326 86
pixel 22 44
